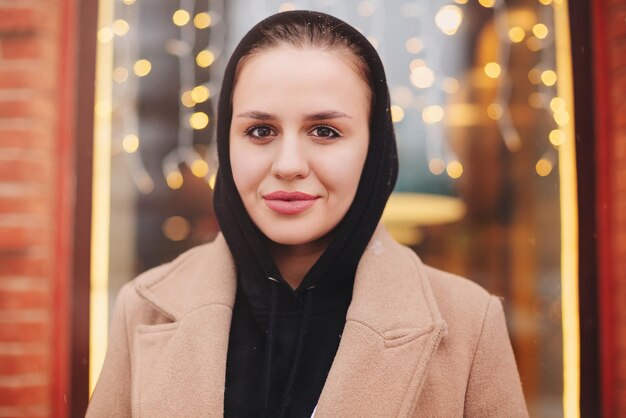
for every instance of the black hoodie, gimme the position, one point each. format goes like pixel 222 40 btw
pixel 282 341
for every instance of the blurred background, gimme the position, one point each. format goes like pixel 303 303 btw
pixel 508 118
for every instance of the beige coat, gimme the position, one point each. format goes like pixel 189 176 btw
pixel 417 342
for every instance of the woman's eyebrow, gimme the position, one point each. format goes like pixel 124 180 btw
pixel 255 114
pixel 329 114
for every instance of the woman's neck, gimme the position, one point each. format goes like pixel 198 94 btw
pixel 294 261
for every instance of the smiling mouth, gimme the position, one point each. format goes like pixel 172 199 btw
pixel 289 203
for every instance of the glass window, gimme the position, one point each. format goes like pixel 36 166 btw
pixel 481 107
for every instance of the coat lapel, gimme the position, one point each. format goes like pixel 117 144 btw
pixel 393 327
pixel 179 368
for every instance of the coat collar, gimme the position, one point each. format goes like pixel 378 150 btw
pixel 393 324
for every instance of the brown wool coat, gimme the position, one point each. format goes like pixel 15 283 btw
pixel 417 342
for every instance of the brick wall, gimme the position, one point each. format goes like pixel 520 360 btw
pixel 610 80
pixel 35 178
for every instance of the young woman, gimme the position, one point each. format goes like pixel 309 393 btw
pixel 305 305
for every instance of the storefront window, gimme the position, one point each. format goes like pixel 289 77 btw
pixel 482 111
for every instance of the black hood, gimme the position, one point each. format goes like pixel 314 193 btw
pixel 263 295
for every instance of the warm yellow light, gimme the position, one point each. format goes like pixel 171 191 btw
pixel 186 99
pixel 557 137
pixel 142 67
pixel 432 114
pixel 105 35
pixel 461 1
pixel 130 143
pixel 205 58
pixel 548 77
pixel 437 166
pixel 199 168
pixel 534 76
pixel 365 8
pixel 517 34
pixel 103 108
pixel 494 111
pixel 449 18
pixel 416 63
pixel 454 169
pixel 120 74
pixel 545 2
pixel 128 2
pixel 286 7
pixel 199 120
pixel 487 3
pixel 200 94
pixel 557 104
pixel 422 77
pixel 543 167
pixel 397 113
pixel 450 85
pixel 535 100
pixel 540 30
pixel 176 228
pixel 120 27
pixel 534 44
pixel 202 20
pixel 212 180
pixel 414 45
pixel 561 117
pixel 493 70
pixel 181 17
pixel 174 180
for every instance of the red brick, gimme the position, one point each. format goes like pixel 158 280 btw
pixel 24 265
pixel 21 237
pixel 18 19
pixel 39 107
pixel 616 21
pixel 23 363
pixel 25 299
pixel 25 170
pixel 28 203
pixel 35 138
pixel 24 395
pixel 28 47
pixel 24 331
pixel 24 76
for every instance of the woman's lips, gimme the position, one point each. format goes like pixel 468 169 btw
pixel 289 203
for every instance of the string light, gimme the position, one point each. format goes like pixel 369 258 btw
pixel 548 78
pixel 199 120
pixel 492 69
pixel 540 31
pixel 205 58
pixel 450 85
pixel 454 169
pixel 397 113
pixel 120 74
pixel 181 17
pixel 414 45
pixel 212 181
pixel 543 167
pixel 516 34
pixel 365 8
pixel 176 228
pixel 187 100
pixel 174 180
pixel 105 35
pixel 557 137
pixel 432 114
pixel 487 3
pixel 437 166
pixel 448 19
pixel 128 2
pixel 120 27
pixel 142 67
pixel 130 143
pixel 199 168
pixel 202 20
pixel 422 77
pixel 200 94
pixel 495 111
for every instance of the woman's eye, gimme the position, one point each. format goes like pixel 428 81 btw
pixel 259 131
pixel 325 132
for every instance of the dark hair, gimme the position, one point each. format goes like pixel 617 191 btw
pixel 320 34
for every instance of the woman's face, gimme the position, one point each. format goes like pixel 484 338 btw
pixel 298 140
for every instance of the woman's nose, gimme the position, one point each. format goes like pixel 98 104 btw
pixel 290 159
